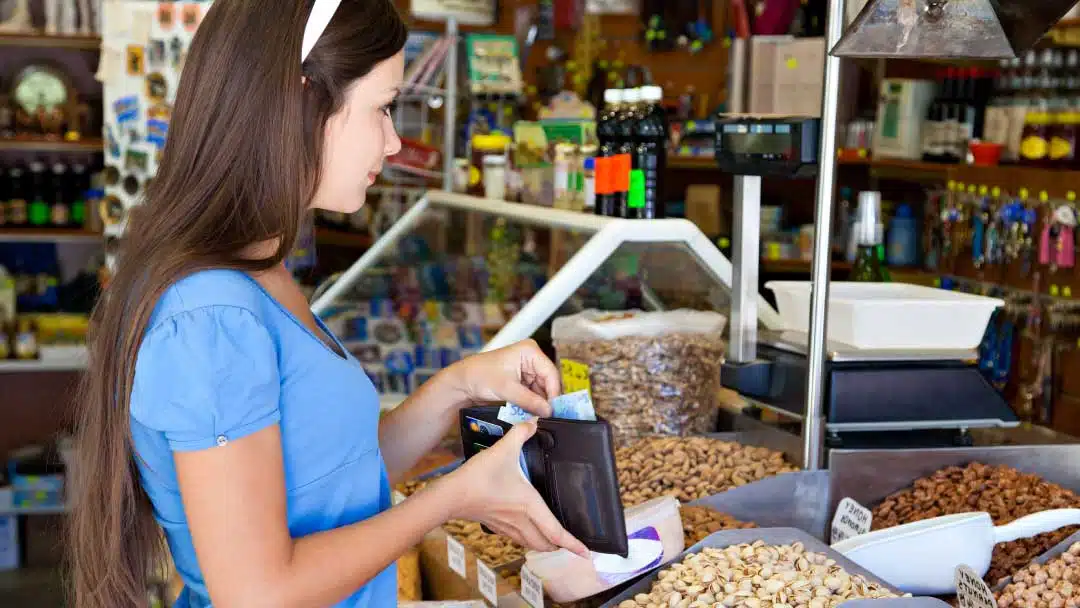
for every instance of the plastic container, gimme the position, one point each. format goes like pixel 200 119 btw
pixel 890 316
pixel 903 237
pixel 649 372
pixel 656 537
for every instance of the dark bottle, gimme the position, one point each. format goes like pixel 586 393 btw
pixel 955 110
pixel 39 207
pixel 932 122
pixel 605 156
pixel 17 203
pixel 80 185
pixel 624 148
pixel 646 196
pixel 59 206
pixel 5 196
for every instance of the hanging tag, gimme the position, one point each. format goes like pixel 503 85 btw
pixel 971 590
pixel 532 590
pixel 851 519
pixel 487 582
pixel 575 376
pixel 455 556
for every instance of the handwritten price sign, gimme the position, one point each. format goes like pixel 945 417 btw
pixel 575 376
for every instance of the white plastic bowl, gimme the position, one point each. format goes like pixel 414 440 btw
pixel 890 316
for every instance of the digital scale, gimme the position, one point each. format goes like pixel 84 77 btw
pixel 887 398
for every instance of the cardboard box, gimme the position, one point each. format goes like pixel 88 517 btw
pixel 786 75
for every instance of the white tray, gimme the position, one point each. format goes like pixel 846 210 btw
pixel 890 315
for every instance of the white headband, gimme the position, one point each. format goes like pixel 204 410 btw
pixel 320 17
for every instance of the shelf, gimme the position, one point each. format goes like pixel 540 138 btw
pixel 793 266
pixel 14 366
pixel 683 162
pixel 86 43
pixel 33 510
pixel 40 144
pixel 50 235
pixel 898 163
pixel 341 238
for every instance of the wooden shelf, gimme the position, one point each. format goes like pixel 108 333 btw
pixel 49 235
pixel 677 162
pixel 85 43
pixel 898 163
pixel 341 238
pixel 36 144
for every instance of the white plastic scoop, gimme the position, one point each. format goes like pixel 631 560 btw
pixel 921 557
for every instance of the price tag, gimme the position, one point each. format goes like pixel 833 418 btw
pixel 532 590
pixel 488 582
pixel 971 590
pixel 851 519
pixel 575 376
pixel 455 556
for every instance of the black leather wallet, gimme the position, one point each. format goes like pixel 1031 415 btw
pixel 571 463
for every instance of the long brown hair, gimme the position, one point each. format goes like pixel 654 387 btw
pixel 240 167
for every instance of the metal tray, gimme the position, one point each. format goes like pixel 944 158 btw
pixel 780 536
pixel 869 476
pixel 789 500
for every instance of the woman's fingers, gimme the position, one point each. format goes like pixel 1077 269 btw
pixel 554 533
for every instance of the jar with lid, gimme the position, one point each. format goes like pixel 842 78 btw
pixel 484 145
pixel 1035 141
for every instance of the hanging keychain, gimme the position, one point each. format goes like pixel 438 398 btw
pixel 979 220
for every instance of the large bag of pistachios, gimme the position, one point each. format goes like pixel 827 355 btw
pixel 649 372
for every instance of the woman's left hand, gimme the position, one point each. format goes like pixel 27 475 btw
pixel 520 373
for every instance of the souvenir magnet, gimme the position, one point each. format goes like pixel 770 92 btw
pixel 131 185
pixel 136 60
pixel 190 15
pixel 160 111
pixel 112 176
pixel 126 109
pixel 157 53
pixel 166 16
pixel 156 131
pixel 111 210
pixel 134 136
pixel 136 160
pixel 176 51
pixel 114 146
pixel 112 245
pixel 156 87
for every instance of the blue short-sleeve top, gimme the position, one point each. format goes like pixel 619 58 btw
pixel 221 359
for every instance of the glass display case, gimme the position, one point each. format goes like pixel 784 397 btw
pixel 457 275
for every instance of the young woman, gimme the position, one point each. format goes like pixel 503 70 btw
pixel 217 407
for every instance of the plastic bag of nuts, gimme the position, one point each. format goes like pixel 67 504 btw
pixel 651 373
pixel 1003 492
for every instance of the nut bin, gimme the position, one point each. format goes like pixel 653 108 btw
pixel 699 522
pixel 782 553
pixel 1052 579
pixel 690 468
pixel 1007 482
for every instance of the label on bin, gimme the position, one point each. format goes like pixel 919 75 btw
pixel 971 590
pixel 455 556
pixel 532 590
pixel 851 519
pixel 487 582
pixel 575 376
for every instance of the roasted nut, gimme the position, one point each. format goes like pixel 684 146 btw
pixel 756 576
pixel 700 522
pixel 1054 585
pixel 655 385
pixel 1005 493
pixel 690 468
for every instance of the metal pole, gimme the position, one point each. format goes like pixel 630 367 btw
pixel 744 276
pixel 814 422
pixel 450 107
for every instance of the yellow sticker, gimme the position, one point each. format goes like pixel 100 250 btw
pixel 971 189
pixel 792 63
pixel 960 187
pixel 474 175
pixel 725 242
pixel 1024 193
pixel 862 152
pixel 1067 291
pixel 1071 196
pixel 1054 290
pixel 996 192
pixel 1044 196
pixel 575 376
pixel 952 185
pixel 983 190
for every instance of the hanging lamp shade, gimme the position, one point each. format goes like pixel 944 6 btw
pixel 949 29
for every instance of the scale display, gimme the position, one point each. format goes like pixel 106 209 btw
pixel 784 146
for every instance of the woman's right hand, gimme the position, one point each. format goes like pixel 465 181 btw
pixel 490 489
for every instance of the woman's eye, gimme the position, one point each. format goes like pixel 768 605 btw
pixel 387 108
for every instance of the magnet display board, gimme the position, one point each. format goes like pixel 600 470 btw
pixel 144 45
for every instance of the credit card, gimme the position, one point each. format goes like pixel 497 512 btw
pixel 484 428
pixel 479 447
